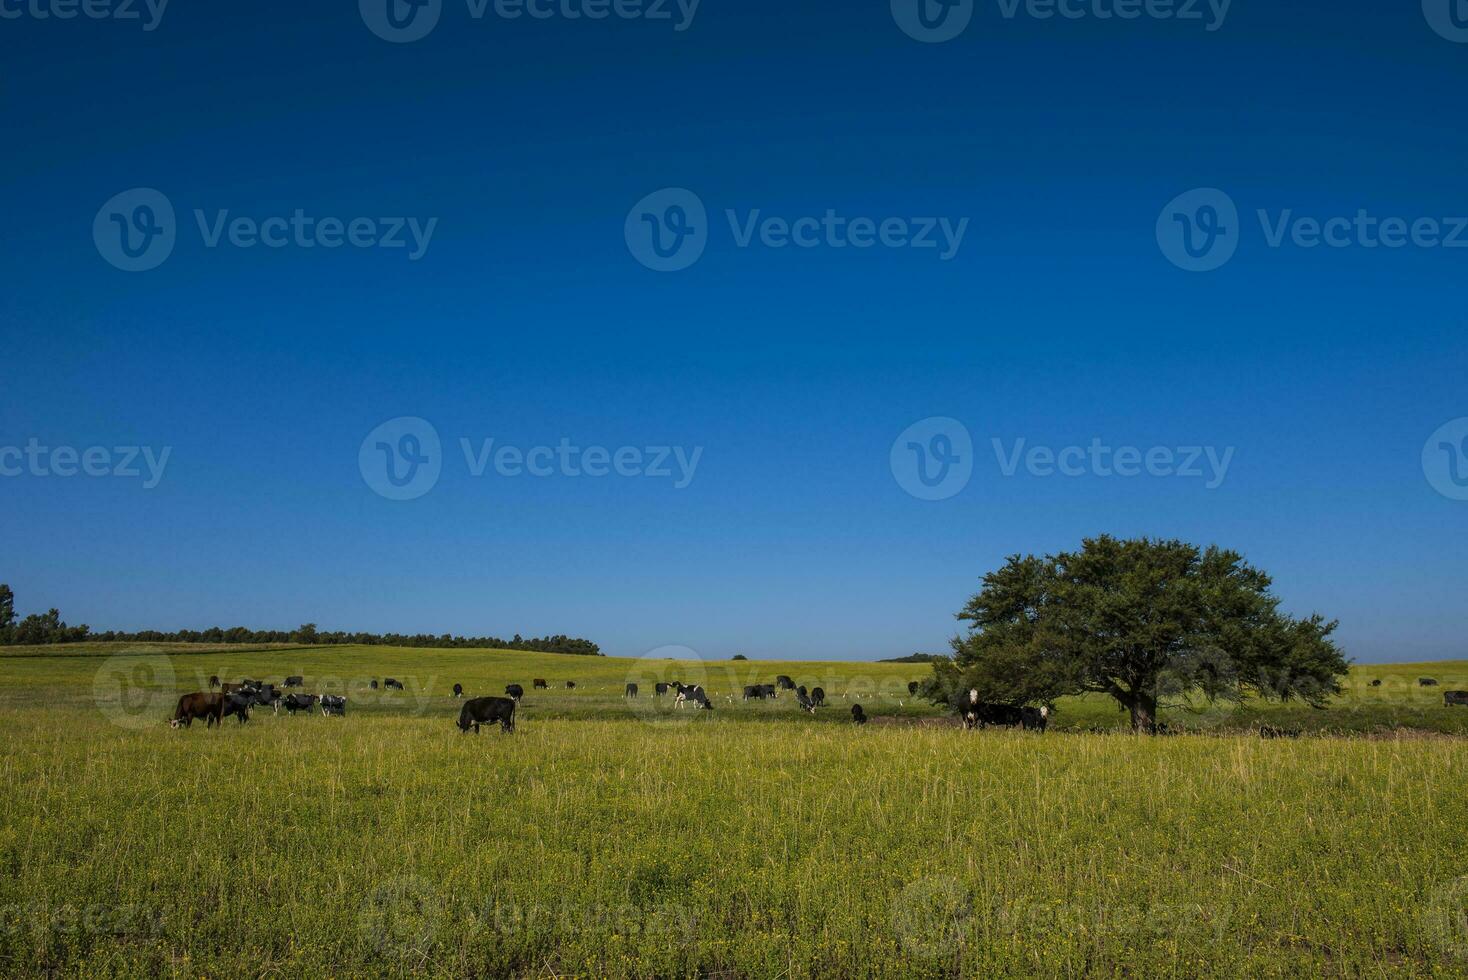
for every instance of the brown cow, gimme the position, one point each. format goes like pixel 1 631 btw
pixel 199 705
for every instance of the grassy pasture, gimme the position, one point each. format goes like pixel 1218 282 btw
pixel 606 839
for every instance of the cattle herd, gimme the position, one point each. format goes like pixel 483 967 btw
pixel 237 698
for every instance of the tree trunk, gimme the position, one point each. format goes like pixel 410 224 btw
pixel 1143 707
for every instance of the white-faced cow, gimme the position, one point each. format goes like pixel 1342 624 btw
pixel 515 691
pixel 485 711
pixel 458 690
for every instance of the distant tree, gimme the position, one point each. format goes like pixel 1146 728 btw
pixel 7 612
pixel 739 656
pixel 1142 621
pixel 306 634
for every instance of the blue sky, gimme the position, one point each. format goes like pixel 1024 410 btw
pixel 529 319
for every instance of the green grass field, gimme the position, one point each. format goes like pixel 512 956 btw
pixel 606 838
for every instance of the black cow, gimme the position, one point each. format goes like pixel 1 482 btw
pixel 213 681
pixel 1034 719
pixel 458 690
pixel 484 711
pixel 374 685
pixel 978 714
pixel 912 687
pixel 818 696
pixel 229 687
pixel 857 715
pixel 755 691
pixel 770 692
pixel 539 682
pixel 238 705
pixel 1426 682
pixel 296 681
pixel 299 702
pixel 631 691
pixel 803 699
pixel 389 683
pixel 660 688
pixel 802 692
pixel 570 684
pixel 268 696
pixel 333 704
pixel 1376 683
pixel 784 683
pixel 199 705
pixel 515 691
pixel 1451 698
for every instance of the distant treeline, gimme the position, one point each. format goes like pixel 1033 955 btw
pixel 38 629
pixel 915 658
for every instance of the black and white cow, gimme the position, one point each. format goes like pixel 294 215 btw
pixel 486 711
pixel 979 714
pixel 334 704
pixel 803 699
pixel 458 690
pixel 818 696
pixel 695 694
pixel 515 691
pixel 389 683
pixel 631 691
pixel 784 683
pixel 1034 719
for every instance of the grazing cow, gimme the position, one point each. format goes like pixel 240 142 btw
pixel 1376 683
pixel 818 696
pixel 802 692
pixel 458 690
pixel 484 711
pixel 539 682
pixel 857 715
pixel 1034 719
pixel 784 683
pixel 660 688
pixel 693 693
pixel 1426 682
pixel 238 705
pixel 296 681
pixel 299 702
pixel 770 691
pixel 631 691
pixel 912 687
pixel 978 714
pixel 754 691
pixel 268 697
pixel 570 684
pixel 803 699
pixel 1451 698
pixel 333 704
pixel 374 685
pixel 389 683
pixel 200 705
pixel 230 688
pixel 213 681
pixel 515 691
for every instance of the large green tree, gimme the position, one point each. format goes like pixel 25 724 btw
pixel 1143 621
pixel 7 612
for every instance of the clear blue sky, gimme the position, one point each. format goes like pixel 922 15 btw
pixel 528 319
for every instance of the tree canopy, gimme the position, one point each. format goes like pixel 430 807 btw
pixel 1140 620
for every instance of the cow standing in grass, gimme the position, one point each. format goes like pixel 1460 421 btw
pixel 199 705
pixel 484 711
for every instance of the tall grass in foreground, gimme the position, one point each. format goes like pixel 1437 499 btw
pixel 393 846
